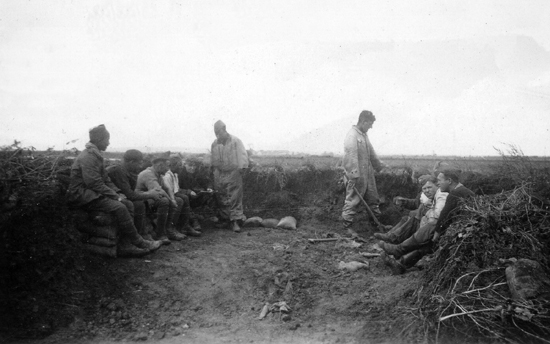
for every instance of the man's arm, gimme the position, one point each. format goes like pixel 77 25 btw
pixel 121 181
pixel 443 221
pixel 93 179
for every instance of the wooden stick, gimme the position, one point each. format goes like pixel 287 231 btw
pixel 324 240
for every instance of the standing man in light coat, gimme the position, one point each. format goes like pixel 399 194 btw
pixel 360 163
pixel 229 160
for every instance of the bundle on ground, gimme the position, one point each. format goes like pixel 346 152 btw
pixel 465 289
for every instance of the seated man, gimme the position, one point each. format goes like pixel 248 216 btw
pixel 124 176
pixel 194 182
pixel 409 239
pixel 91 189
pixel 183 210
pixel 429 203
pixel 151 179
pixel 409 224
pixel 419 244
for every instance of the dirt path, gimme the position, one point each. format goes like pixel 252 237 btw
pixel 212 289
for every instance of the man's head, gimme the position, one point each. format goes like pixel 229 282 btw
pixel 160 165
pixel 191 165
pixel 133 160
pixel 429 188
pixel 220 131
pixel 447 180
pixel 176 164
pixel 99 136
pixel 365 121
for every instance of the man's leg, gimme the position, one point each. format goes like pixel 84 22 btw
pixel 371 196
pixel 125 223
pixel 350 208
pixel 235 190
pixel 139 219
pixel 222 198
pixel 419 239
pixel 169 227
pixel 400 232
pixel 183 214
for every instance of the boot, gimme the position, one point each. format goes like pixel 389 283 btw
pixel 190 231
pixel 400 232
pixel 148 237
pixel 348 227
pixel 196 225
pixel 235 227
pixel 411 258
pixel 399 250
pixel 174 235
pixel 397 268
pixel 126 249
pixel 164 240
pixel 148 245
pixel 387 237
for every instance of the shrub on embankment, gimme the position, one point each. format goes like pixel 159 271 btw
pixel 497 245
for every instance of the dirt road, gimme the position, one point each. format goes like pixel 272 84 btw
pixel 212 290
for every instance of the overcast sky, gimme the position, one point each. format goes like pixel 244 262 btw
pixel 443 77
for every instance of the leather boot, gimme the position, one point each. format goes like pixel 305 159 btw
pixel 125 248
pixel 174 235
pixel 145 244
pixel 348 227
pixel 196 225
pixel 387 237
pixel 396 267
pixel 235 227
pixel 190 231
pixel 399 250
pixel 411 258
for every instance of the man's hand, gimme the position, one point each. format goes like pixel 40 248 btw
pixel 398 201
pixel 155 194
pixel 192 193
pixel 352 182
pixel 435 237
pixel 174 203
pixel 121 197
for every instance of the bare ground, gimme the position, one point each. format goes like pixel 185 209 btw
pixel 212 289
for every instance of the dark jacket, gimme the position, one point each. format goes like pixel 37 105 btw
pixel 452 202
pixel 126 182
pixel 89 179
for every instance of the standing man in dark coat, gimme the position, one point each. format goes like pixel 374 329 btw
pixel 91 189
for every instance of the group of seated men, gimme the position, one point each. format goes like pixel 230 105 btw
pixel 167 189
pixel 415 235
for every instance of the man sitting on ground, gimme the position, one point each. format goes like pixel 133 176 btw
pixel 403 241
pixel 182 215
pixel 418 245
pixel 409 224
pixel 91 189
pixel 124 176
pixel 151 179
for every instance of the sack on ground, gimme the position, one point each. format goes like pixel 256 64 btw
pixel 253 222
pixel 270 223
pixel 287 222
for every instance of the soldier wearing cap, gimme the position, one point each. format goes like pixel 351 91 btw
pixel 229 160
pixel 91 189
pixel 151 179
